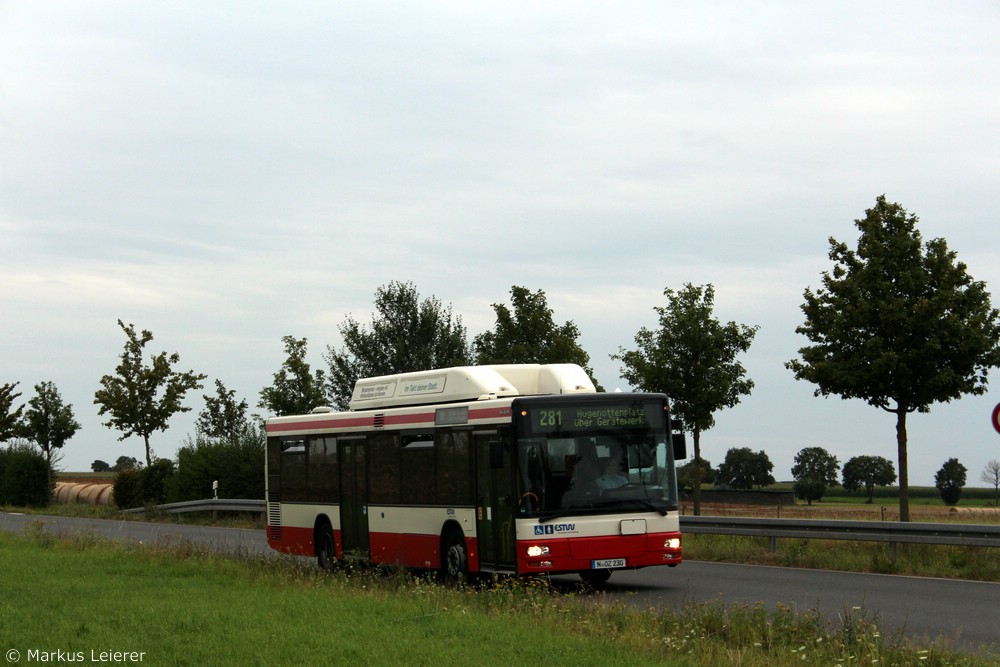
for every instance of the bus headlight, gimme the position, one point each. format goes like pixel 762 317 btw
pixel 535 551
pixel 672 543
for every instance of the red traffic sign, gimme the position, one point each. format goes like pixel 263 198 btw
pixel 996 417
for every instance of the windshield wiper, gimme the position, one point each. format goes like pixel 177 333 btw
pixel 662 510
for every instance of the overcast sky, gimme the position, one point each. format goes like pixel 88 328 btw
pixel 224 174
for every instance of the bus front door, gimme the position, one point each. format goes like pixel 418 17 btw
pixel 494 508
pixel 353 498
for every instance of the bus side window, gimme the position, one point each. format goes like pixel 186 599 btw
pixel 454 467
pixel 384 467
pixel 322 476
pixel 293 469
pixel 417 469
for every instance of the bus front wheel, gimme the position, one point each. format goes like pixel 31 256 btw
pixel 596 577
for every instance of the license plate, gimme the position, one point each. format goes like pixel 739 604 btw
pixel 607 563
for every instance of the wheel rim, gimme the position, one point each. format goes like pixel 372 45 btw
pixel 455 559
pixel 325 554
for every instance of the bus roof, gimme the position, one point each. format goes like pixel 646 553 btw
pixel 469 383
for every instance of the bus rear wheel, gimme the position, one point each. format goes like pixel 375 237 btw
pixel 454 557
pixel 326 556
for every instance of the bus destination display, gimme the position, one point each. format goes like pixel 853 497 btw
pixel 565 419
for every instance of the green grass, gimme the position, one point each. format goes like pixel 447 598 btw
pixel 83 595
pixel 972 496
pixel 927 560
pixel 184 606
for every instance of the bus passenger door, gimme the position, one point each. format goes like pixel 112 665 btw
pixel 494 507
pixel 353 497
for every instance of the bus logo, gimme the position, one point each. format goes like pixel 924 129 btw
pixel 551 529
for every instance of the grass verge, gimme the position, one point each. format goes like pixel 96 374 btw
pixel 925 560
pixel 248 520
pixel 178 605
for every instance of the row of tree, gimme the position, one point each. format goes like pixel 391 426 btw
pixel 897 323
pixel 815 470
pixel 409 334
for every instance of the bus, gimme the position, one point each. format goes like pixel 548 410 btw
pixel 520 469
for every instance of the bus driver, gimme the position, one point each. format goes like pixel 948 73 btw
pixel 612 477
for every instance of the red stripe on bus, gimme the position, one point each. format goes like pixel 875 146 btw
pixel 490 413
pixel 579 553
pixel 345 422
pixel 422 418
pixel 291 540
pixel 368 420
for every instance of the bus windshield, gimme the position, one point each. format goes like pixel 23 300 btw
pixel 596 474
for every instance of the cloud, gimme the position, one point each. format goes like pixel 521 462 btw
pixel 226 174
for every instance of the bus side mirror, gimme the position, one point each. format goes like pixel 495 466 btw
pixel 496 454
pixel 678 439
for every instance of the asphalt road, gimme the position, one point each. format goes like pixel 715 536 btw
pixel 964 613
pixel 225 539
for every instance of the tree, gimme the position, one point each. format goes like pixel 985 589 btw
pixel 991 475
pixel 744 469
pixel 406 334
pixel 898 324
pixel 816 463
pixel 296 389
pixel 869 472
pixel 222 417
pixel 100 466
pixel 692 359
pixel 949 480
pixel 686 474
pixel 529 335
pixel 9 417
pixel 48 422
pixel 814 471
pixel 123 463
pixel 141 399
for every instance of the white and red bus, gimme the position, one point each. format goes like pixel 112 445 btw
pixel 521 469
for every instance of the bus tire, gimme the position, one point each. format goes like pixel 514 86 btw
pixel 454 557
pixel 596 577
pixel 326 556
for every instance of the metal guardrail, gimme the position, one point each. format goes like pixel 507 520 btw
pixel 892 533
pixel 209 505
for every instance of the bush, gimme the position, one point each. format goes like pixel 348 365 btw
pixel 155 480
pixel 144 486
pixel 128 492
pixel 24 477
pixel 237 465
pixel 810 489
